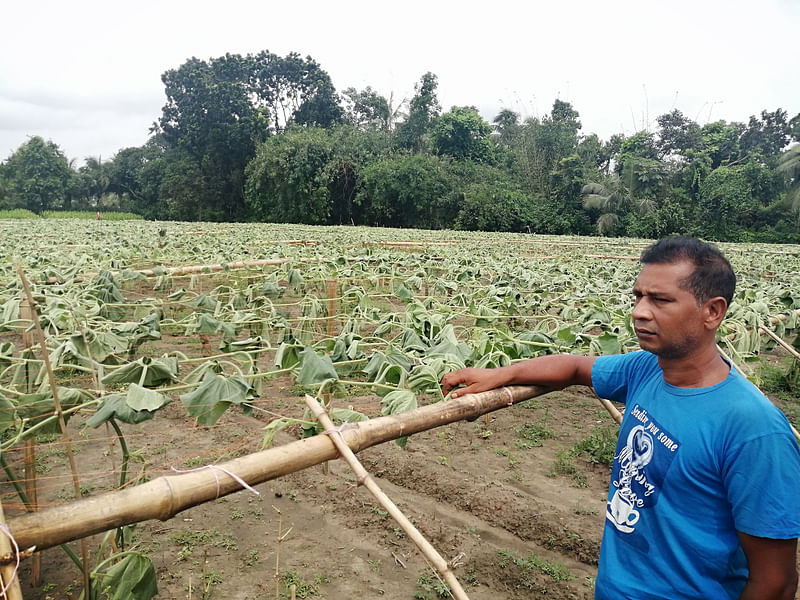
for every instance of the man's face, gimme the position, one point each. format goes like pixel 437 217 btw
pixel 666 317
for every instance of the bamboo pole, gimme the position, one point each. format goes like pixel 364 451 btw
pixel 9 573
pixel 783 344
pixel 364 478
pixel 198 269
pixel 164 497
pixel 31 487
pixel 612 410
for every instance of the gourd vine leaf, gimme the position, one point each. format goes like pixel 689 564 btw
pixel 216 393
pixel 403 293
pixel 205 302
pixel 6 353
pixel 7 419
pixel 315 369
pixel 339 416
pixel 150 372
pixel 396 402
pixel 295 279
pixel 137 405
pixel 132 578
pixel 39 406
pixel 287 355
pixel 607 343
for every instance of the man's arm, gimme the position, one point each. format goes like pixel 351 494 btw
pixel 555 371
pixel 772 567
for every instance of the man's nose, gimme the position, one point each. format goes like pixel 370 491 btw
pixel 640 311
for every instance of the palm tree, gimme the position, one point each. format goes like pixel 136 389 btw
pixel 98 178
pixel 619 197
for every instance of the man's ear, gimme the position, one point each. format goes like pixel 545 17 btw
pixel 715 311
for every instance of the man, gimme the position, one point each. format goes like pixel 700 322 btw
pixel 704 500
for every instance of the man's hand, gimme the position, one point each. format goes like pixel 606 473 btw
pixel 474 380
pixel 555 371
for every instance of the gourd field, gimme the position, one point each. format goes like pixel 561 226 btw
pixel 154 432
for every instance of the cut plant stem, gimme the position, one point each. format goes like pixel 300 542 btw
pixel 364 478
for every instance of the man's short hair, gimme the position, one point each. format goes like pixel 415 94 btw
pixel 713 275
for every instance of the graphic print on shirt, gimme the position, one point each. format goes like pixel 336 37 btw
pixel 639 470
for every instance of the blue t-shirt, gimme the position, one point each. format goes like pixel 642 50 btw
pixel 693 467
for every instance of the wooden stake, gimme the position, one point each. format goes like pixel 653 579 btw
pixel 333 307
pixel 164 497
pixel 364 478
pixel 59 413
pixel 32 492
pixel 31 489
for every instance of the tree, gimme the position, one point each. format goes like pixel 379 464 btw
pixel 96 178
pixel 545 142
pixel 407 191
pixel 485 207
pixel 789 166
pixel 208 119
pixel 720 142
pixel 285 180
pixel 292 89
pixel 368 110
pixel 422 110
pixel 725 203
pixel 37 176
pixel 463 134
pixel 506 127
pixel 677 135
pixel 767 135
pixel 136 174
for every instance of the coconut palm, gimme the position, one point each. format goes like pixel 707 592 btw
pixel 620 196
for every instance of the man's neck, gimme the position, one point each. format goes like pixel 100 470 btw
pixel 703 368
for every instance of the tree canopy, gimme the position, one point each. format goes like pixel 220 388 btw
pixel 269 138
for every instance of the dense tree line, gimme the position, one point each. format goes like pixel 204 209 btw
pixel 268 138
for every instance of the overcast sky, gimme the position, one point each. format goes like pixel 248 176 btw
pixel 87 74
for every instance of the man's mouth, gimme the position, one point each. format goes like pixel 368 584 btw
pixel 644 333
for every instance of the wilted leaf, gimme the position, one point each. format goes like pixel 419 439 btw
pixel 132 578
pixel 315 369
pixel 216 393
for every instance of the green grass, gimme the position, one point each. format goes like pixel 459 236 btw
pixel 600 446
pixel 532 435
pixel 18 213
pixel 531 563
pixel 89 215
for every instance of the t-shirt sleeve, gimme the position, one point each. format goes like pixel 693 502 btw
pixel 762 477
pixel 612 375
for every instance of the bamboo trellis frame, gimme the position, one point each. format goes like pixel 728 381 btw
pixel 166 496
